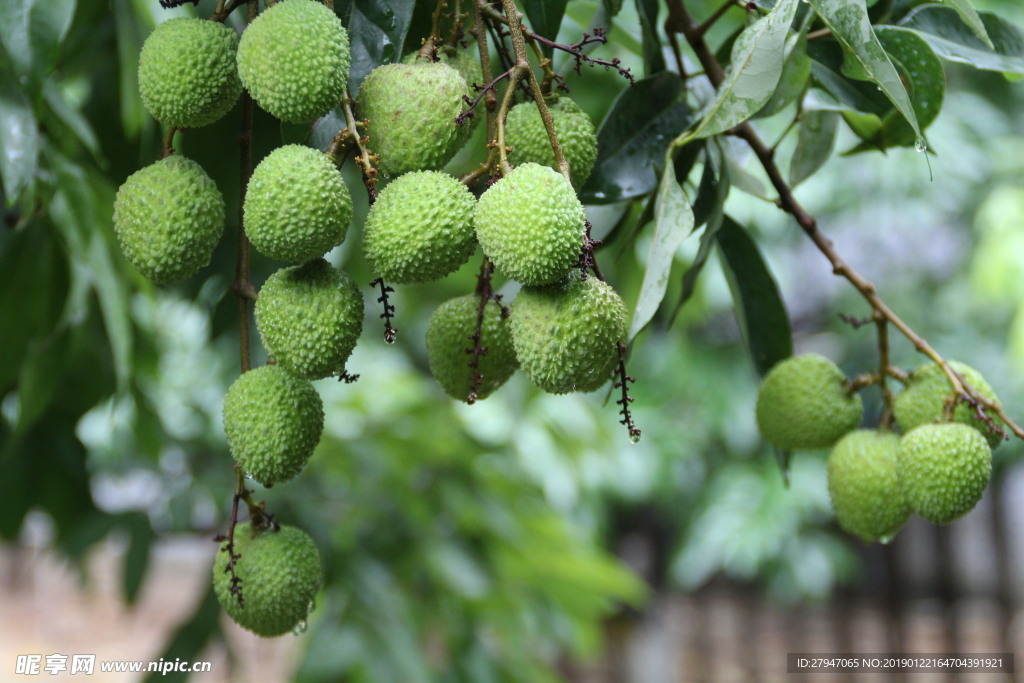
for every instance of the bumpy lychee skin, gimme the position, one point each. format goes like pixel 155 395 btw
pixel 943 470
pixel 923 399
pixel 465 63
pixel 309 318
pixel 294 60
pixel 420 228
pixel 566 335
pixel 531 225
pixel 526 134
pixel 280 573
pixel 273 421
pixel 448 334
pixel 412 110
pixel 297 207
pixel 187 72
pixel 168 218
pixel 863 486
pixel 804 404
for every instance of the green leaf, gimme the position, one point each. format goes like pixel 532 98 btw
pixel 759 307
pixel 849 22
pixel 795 73
pixel 849 95
pixel 136 558
pixel 377 30
pixel 129 43
pixel 709 208
pixel 756 65
pixel 71 117
pixel 612 7
pixel 673 221
pixel 545 17
pixel 814 144
pixel 925 80
pixel 970 17
pixel 32 32
pixel 951 40
pixel 39 378
pixel 633 136
pixel 19 141
pixel 654 60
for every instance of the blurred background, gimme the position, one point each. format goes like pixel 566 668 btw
pixel 522 538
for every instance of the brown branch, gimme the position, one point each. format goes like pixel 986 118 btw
pixel 625 400
pixel 787 202
pixel 168 146
pixel 366 157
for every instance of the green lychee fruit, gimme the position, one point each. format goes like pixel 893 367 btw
pixel 526 134
pixel 448 342
pixel 273 421
pixel 466 64
pixel 943 470
pixel 309 318
pixel 922 401
pixel 168 218
pixel 566 335
pixel 412 110
pixel 294 59
pixel 804 404
pixel 297 206
pixel 531 225
pixel 420 228
pixel 187 72
pixel 279 573
pixel 863 485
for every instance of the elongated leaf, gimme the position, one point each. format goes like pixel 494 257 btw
pixel 39 378
pixel 848 20
pixel 757 60
pixel 759 306
pixel 32 30
pixel 633 137
pixel 814 144
pixel 136 558
pixel 129 43
pixel 377 30
pixel 969 15
pixel 545 17
pixel 826 68
pixel 654 60
pixel 709 209
pixel 951 40
pixel 19 141
pixel 925 79
pixel 673 221
pixel 795 74
pixel 71 117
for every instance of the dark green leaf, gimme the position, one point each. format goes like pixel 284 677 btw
pixel 925 80
pixel 826 67
pixel 795 74
pixel 136 558
pixel 673 221
pixel 755 67
pixel 39 378
pixel 19 141
pixel 545 18
pixel 377 31
pixel 759 306
pixel 814 144
pixel 633 136
pixel 612 7
pixel 130 36
pixel 951 40
pixel 654 60
pixel 191 637
pixel 32 30
pixel 71 117
pixel 969 15
pixel 865 57
pixel 709 208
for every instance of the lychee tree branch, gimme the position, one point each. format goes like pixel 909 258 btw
pixel 683 23
pixel 366 157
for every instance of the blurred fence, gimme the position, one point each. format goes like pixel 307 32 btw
pixel 955 589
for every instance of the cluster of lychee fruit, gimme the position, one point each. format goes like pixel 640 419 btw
pixel 564 328
pixel 938 466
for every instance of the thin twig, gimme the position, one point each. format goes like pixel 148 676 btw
pixel 390 333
